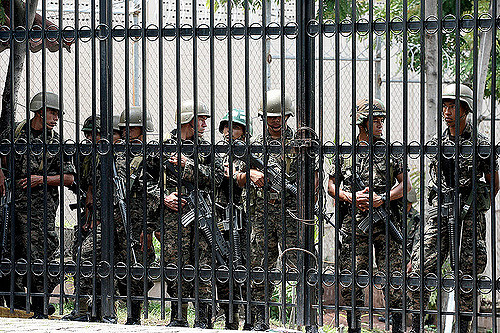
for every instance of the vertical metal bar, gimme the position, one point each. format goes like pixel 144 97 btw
pixel 305 172
pixel 319 192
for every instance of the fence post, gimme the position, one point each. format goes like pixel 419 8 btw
pixel 306 166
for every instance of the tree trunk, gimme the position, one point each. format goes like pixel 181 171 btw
pixel 18 55
pixel 431 79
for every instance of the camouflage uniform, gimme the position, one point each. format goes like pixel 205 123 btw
pixel 482 197
pixel 361 241
pixel 171 238
pixel 275 228
pixel 42 210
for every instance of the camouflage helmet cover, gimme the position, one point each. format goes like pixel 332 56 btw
pixel 363 110
pixel 51 101
pixel 239 117
pixel 273 104
pixel 187 111
pixel 411 197
pixel 89 123
pixel 466 94
pixel 136 119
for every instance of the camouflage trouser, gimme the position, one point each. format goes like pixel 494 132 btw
pixel 362 266
pixel 276 234
pixel 432 249
pixel 38 246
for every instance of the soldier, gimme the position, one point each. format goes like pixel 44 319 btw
pixel 362 199
pixel 141 172
pixel 174 200
pixel 222 199
pixel 465 223
pixel 276 127
pixel 44 200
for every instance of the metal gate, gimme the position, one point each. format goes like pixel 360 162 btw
pixel 251 164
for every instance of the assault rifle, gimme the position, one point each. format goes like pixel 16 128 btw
pixel 448 213
pixel 120 200
pixel 237 223
pixel 379 214
pixel 206 223
pixel 5 209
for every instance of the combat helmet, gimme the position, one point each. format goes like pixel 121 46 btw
pixel 466 94
pixel 239 117
pixel 363 110
pixel 89 124
pixel 136 119
pixel 187 111
pixel 116 122
pixel 51 101
pixel 273 104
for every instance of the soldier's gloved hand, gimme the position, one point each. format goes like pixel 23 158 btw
pixel 173 160
pixel 35 181
pixel 172 201
pixel 257 177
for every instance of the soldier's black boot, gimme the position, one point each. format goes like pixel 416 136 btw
pixel 205 317
pixel 37 308
pixel 79 313
pixel 135 315
pixel 353 327
pixel 464 322
pixel 174 321
pixel 235 324
pixel 415 323
pixel 397 323
pixel 260 319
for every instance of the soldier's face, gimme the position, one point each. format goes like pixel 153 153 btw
pixel 378 126
pixel 135 133
pixel 275 123
pixel 238 132
pixel 88 135
pixel 52 116
pixel 450 114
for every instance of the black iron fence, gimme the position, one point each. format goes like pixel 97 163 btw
pixel 345 202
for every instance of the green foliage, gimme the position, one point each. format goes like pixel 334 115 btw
pixel 3 15
pixel 274 311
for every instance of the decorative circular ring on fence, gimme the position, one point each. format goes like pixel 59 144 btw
pixel 240 146
pixel 275 271
pixel 360 276
pixel 21 266
pixel 345 146
pixel 48 31
pixel 396 275
pixel 200 36
pixel 116 33
pixel 379 149
pixel 221 270
pixel 328 23
pixel 431 149
pixel 154 29
pixel 68 267
pixel 380 21
pixel 135 32
pixel 5 147
pixel 273 26
pixel 137 271
pixel 449 149
pixel 37 146
pixel 414 19
pixel 430 21
pixel 349 282
pixel 20 146
pixel 185 276
pixel 240 270
pixel 359 24
pixel 486 280
pixel 291 271
pixel 346 22
pixel 449 20
pixel 103 269
pixel 429 281
pixel 37 267
pixel 466 149
pixel 485 17
pixel 383 280
pixel 223 27
pixel 416 276
pixel 312 28
pixel 222 149
pixel 466 17
pixel 255 26
pixel 414 151
pixel 86 147
pixel 86 269
pixel 447 275
pixel 327 274
pixel 312 277
pixel 154 267
pixel 205 149
pixel 274 145
pixel 102 31
pixel 35 30
pixel 294 27
pixel 6 266
pixel 153 148
pixel 259 270
pixel 484 146
pixel 397 150
pixel 103 146
pixel 53 147
pixel 362 149
pixel 202 270
pixel 170 32
pixel 121 270
pixel 69 147
pixel 53 263
pixel 171 267
pixel 235 28
pixel 6 29
pixel 136 148
pixel 187 148
pixel 85 31
pixel 22 30
pixel 464 279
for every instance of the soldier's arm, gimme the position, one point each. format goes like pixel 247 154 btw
pixel 496 182
pixel 256 176
pixel 332 190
